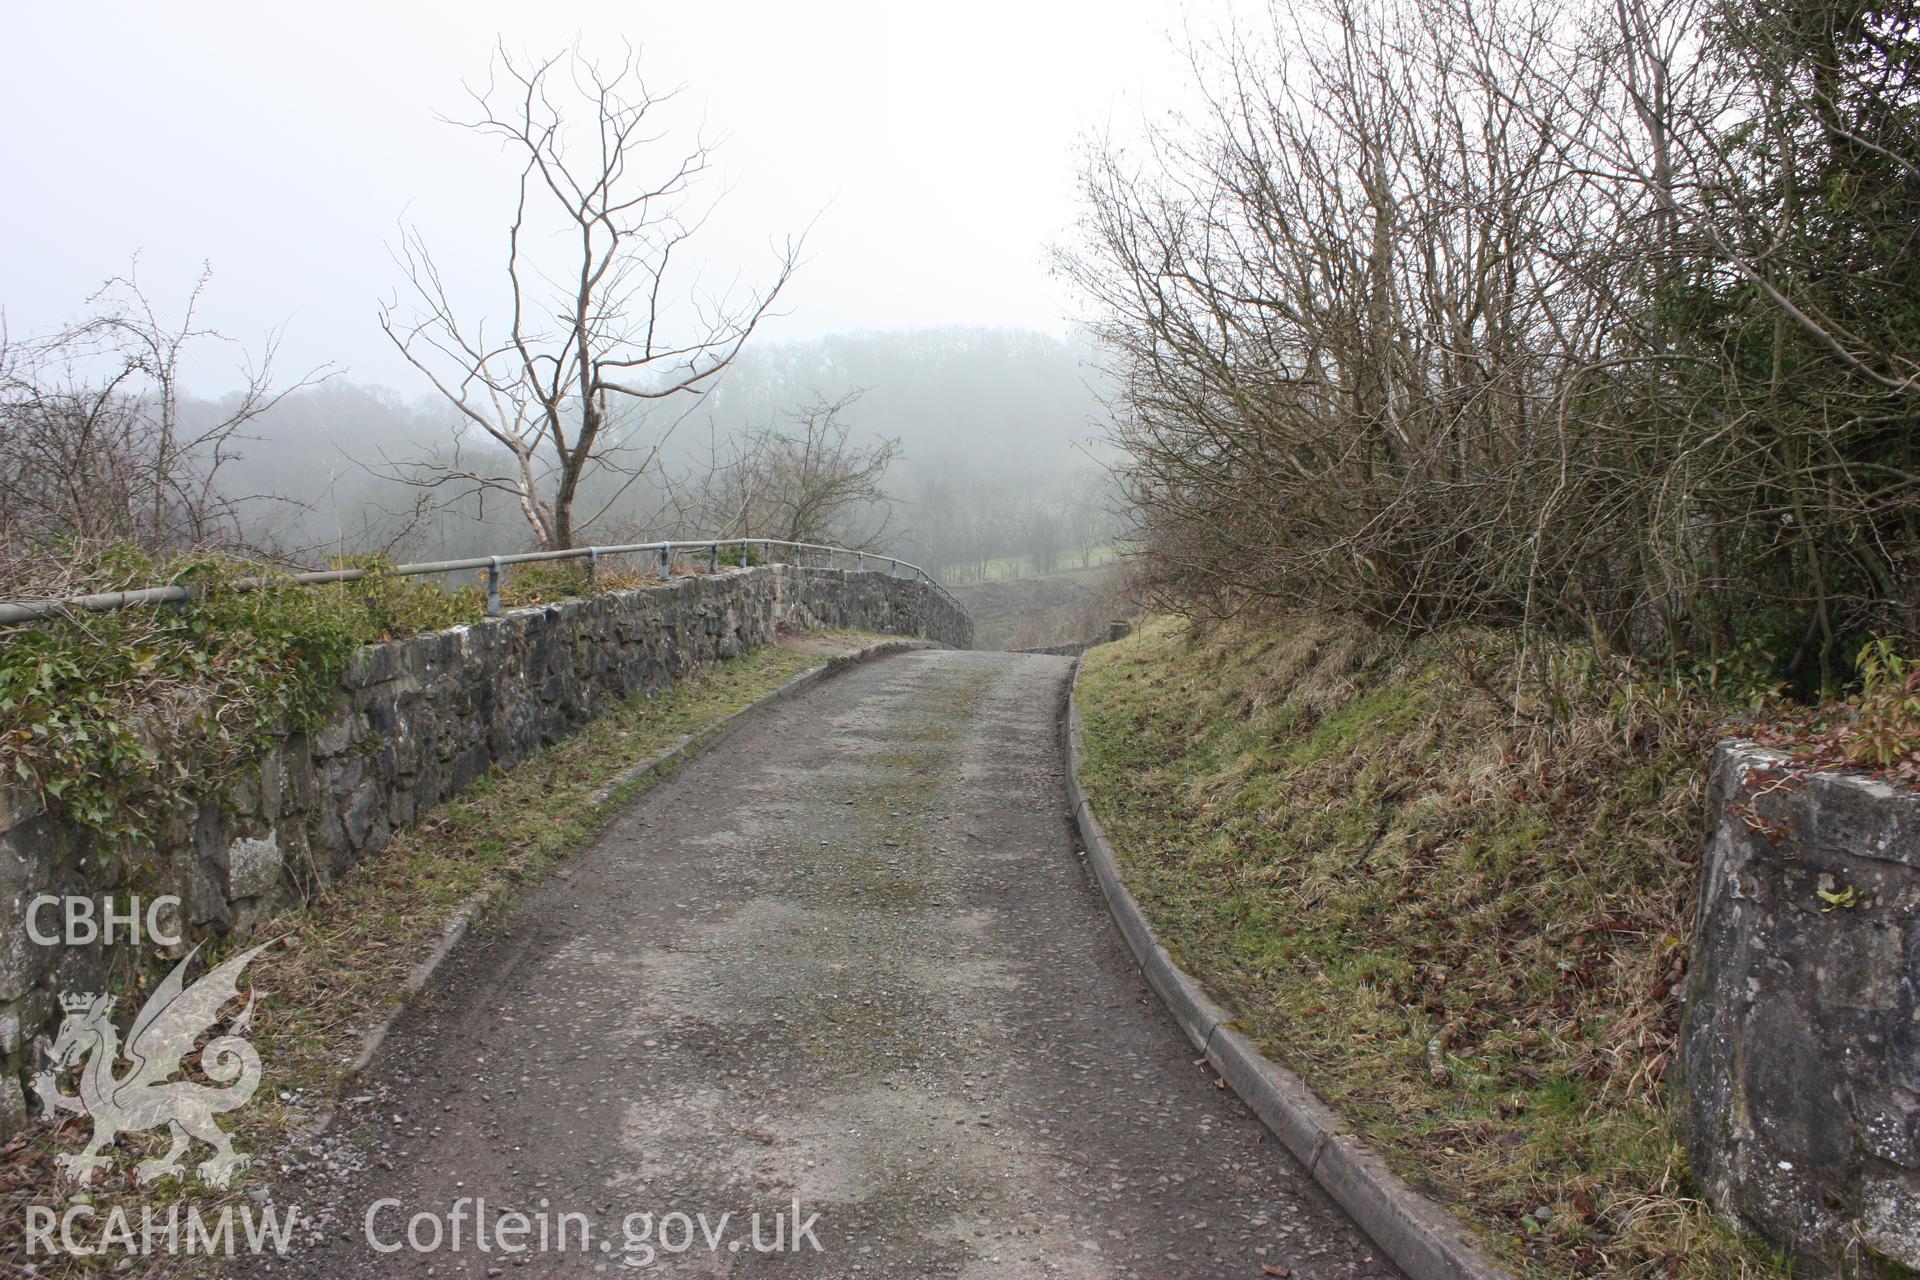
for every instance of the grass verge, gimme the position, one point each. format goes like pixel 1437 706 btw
pixel 343 963
pixel 1467 932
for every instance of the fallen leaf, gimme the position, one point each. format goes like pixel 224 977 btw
pixel 1268 1269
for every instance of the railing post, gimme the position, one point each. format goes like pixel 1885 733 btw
pixel 666 562
pixel 893 568
pixel 493 586
pixel 859 559
pixel 713 558
pixel 593 568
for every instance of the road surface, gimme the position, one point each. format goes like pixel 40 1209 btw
pixel 844 970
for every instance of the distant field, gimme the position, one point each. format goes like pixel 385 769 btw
pixel 1005 567
pixel 1058 608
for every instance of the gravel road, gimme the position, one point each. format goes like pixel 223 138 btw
pixel 848 959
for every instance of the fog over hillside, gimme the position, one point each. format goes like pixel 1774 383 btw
pixel 997 431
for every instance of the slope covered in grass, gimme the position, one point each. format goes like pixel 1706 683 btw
pixel 1462 920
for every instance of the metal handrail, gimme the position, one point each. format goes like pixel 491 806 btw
pixel 16 611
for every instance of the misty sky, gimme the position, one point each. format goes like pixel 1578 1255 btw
pixel 935 144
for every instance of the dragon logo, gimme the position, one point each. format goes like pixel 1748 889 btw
pixel 171 1021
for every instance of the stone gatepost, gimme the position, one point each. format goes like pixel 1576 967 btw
pixel 1800 1042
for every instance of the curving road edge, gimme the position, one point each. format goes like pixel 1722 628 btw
pixel 1424 1241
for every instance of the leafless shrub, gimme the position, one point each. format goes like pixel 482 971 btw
pixel 1444 311
pixel 807 480
pixel 94 448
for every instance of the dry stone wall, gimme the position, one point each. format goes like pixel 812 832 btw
pixel 417 720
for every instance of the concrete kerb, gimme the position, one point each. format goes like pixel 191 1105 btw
pixel 476 907
pixel 1421 1238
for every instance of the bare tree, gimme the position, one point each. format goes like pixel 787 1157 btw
pixel 94 447
pixel 809 481
pixel 1591 314
pixel 605 320
pixel 1088 523
pixel 1043 535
